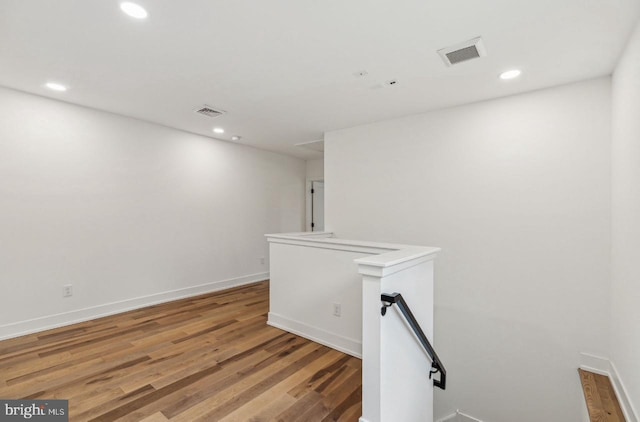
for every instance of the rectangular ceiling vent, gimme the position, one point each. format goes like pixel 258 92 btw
pixel 209 111
pixel 462 52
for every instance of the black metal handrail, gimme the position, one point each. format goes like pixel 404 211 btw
pixel 436 365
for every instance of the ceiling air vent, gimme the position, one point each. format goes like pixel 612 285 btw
pixel 209 111
pixel 462 52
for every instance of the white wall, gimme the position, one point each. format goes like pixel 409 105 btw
pixel 516 192
pixel 625 345
pixel 315 169
pixel 124 209
pixel 305 283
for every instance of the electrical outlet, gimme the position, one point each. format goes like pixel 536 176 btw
pixel 67 290
pixel 262 260
pixel 337 309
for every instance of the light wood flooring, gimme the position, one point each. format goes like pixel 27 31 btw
pixel 600 397
pixel 208 358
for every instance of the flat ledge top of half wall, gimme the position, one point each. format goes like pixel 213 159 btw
pixel 384 256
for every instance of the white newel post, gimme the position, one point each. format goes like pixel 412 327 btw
pixel 396 384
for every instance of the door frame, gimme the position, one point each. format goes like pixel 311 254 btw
pixel 308 204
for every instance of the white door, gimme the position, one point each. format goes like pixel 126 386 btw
pixel 317 206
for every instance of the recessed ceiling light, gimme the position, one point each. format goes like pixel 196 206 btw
pixel 510 74
pixel 54 86
pixel 134 10
pixel 218 130
pixel 235 138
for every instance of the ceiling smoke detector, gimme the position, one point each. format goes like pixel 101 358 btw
pixel 209 111
pixel 463 51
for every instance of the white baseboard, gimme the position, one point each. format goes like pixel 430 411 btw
pixel 343 344
pixel 604 366
pixel 48 322
pixel 459 417
pixel 595 364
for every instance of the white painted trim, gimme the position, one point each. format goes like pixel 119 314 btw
pixel 394 262
pixel 333 246
pixel 458 417
pixel 604 366
pixel 630 412
pixel 48 322
pixel 385 255
pixel 362 420
pixel 451 418
pixel 343 344
pixel 595 364
pixel 306 235
pixel 325 240
pixel 403 254
pixel 463 417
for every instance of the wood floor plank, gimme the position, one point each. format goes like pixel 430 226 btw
pixel 156 417
pixel 269 412
pixel 260 407
pixel 210 358
pixel 236 391
pixel 600 396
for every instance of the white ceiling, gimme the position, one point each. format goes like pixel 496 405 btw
pixel 284 69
